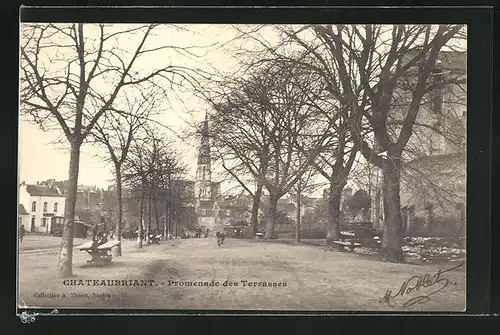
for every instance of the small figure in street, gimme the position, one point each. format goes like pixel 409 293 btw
pixel 22 231
pixel 94 232
pixel 220 238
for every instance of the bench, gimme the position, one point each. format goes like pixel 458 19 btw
pixel 155 238
pixel 259 236
pixel 348 233
pixel 350 244
pixel 99 253
pixel 347 240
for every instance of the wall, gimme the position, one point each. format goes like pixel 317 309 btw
pixel 24 219
pixel 437 180
pixel 38 214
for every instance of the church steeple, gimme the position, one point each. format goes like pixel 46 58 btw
pixel 203 171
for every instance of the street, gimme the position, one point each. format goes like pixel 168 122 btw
pixel 241 274
pixel 36 242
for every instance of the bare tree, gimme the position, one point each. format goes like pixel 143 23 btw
pixel 256 129
pixel 70 79
pixel 384 56
pixel 363 66
pixel 115 132
pixel 241 142
pixel 135 177
pixel 155 169
pixel 337 150
pixel 306 184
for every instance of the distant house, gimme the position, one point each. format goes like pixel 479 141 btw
pixel 89 199
pixel 23 215
pixel 44 206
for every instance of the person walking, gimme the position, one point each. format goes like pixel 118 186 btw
pixel 94 232
pixel 22 231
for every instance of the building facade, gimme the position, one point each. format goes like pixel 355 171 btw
pixel 88 198
pixel 44 205
pixel 433 172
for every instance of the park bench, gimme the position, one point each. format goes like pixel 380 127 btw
pixel 155 238
pixel 347 240
pixel 99 252
pixel 259 236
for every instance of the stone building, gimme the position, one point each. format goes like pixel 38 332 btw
pixel 433 174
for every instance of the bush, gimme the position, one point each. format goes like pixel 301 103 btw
pixel 359 201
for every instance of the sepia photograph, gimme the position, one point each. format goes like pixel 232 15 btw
pixel 242 167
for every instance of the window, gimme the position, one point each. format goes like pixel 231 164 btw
pixel 33 206
pixel 55 207
pixel 44 222
pixel 45 207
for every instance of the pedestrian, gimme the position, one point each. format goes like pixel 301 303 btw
pixel 22 231
pixel 94 232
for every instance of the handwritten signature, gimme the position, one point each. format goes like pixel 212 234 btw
pixel 414 284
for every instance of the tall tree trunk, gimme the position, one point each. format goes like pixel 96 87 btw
pixel 169 221
pixel 392 236
pixel 157 216
pixel 271 214
pixel 118 249
pixel 254 221
pixel 65 265
pixel 141 221
pixel 176 224
pixel 165 224
pixel 148 226
pixel 333 228
pixel 297 226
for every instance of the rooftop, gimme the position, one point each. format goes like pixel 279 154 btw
pixel 22 210
pixel 39 190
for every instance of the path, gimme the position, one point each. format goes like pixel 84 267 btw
pixel 300 278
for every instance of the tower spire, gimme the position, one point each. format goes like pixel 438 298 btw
pixel 203 172
pixel 204 131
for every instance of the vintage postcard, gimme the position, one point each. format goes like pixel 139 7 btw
pixel 311 167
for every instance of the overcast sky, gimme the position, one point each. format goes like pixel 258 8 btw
pixel 40 159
